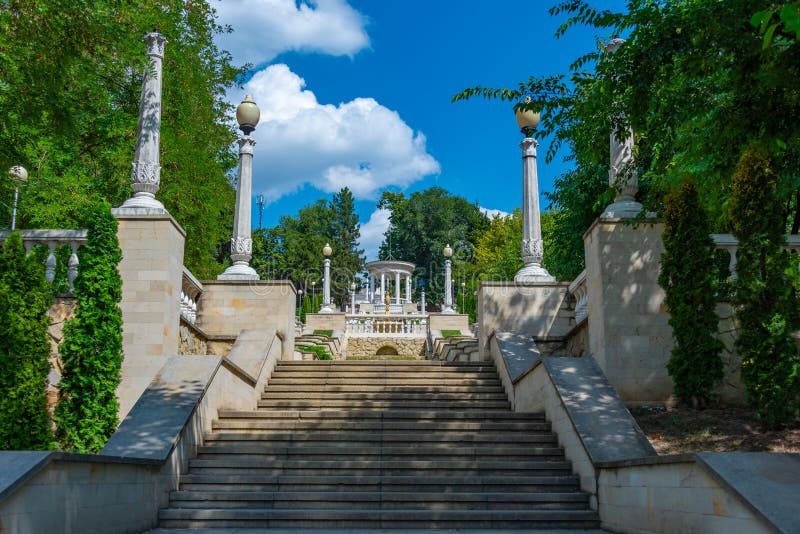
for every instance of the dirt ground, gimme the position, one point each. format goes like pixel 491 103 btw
pixel 679 430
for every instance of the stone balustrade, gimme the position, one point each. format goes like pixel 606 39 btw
pixel 579 291
pixel 53 239
pixel 389 325
pixel 730 244
pixel 191 289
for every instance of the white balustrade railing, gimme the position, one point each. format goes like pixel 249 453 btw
pixel 580 293
pixel 730 244
pixel 191 289
pixel 53 239
pixel 387 325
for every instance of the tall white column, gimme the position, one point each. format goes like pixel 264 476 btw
pixel 242 242
pixel 408 288
pixel 371 290
pixel 422 302
pixel 622 173
pixel 146 168
pixel 326 289
pixel 383 287
pixel 532 247
pixel 397 287
pixel 352 301
pixel 448 288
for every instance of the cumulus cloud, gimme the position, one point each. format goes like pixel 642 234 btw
pixel 359 144
pixel 372 232
pixel 494 213
pixel 264 29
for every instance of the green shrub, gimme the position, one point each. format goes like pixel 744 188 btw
pixel 86 415
pixel 688 280
pixel 321 352
pixel 451 333
pixel 766 300
pixel 24 349
pixel 326 333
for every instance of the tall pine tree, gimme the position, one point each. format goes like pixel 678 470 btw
pixel 345 234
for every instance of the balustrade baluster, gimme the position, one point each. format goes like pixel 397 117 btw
pixel 72 266
pixel 50 264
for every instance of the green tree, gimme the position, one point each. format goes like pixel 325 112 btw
pixel 86 415
pixel 24 349
pixel 767 306
pixel 498 250
pixel 348 258
pixel 70 104
pixel 421 226
pixel 695 365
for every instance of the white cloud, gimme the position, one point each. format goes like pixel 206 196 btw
pixel 494 213
pixel 262 29
pixel 359 144
pixel 372 232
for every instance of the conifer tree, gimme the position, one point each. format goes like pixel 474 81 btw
pixel 766 301
pixel 24 349
pixel 86 415
pixel 695 365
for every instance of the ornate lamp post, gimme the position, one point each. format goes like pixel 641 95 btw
pixel 299 302
pixel 146 167
pixel 352 297
pixel 313 295
pixel 18 175
pixel 532 247
pixel 463 296
pixel 247 115
pixel 326 282
pixel 448 281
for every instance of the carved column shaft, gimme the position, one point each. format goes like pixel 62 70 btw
pixel 448 287
pixel 242 242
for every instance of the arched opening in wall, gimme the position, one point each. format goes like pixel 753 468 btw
pixel 387 350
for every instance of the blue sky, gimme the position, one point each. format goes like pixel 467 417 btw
pixel 357 93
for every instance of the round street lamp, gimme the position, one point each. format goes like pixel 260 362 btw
pixel 247 115
pixel 527 119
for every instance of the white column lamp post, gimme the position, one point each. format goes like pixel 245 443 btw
pixel 422 301
pixel 532 246
pixel 18 175
pixel 352 297
pixel 448 281
pixel 247 115
pixel 326 282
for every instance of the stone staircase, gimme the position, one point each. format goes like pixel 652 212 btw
pixel 380 444
pixel 456 349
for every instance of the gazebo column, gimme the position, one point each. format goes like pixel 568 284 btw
pixel 371 290
pixel 397 287
pixel 383 286
pixel 408 288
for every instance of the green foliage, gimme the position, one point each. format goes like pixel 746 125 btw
pixel 695 365
pixel 70 104
pixel 293 249
pixel 421 226
pixel 451 333
pixel 86 415
pixel 326 333
pixel 24 349
pixel 767 305
pixel 320 352
pixel 498 250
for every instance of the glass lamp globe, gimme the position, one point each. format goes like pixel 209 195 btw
pixel 327 250
pixel 448 252
pixel 18 174
pixel 527 119
pixel 247 115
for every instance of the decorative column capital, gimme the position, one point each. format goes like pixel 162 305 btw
pixel 246 145
pixel 528 146
pixel 155 44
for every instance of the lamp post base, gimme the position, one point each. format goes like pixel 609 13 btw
pixel 625 209
pixel 326 309
pixel 447 309
pixel 143 200
pixel 239 271
pixel 533 273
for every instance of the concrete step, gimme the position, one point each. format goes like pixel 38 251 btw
pixel 379 500
pixel 384 415
pixel 369 376
pixel 388 396
pixel 378 438
pixel 376 363
pixel 351 425
pixel 409 381
pixel 370 518
pixel 347 450
pixel 366 404
pixel 365 388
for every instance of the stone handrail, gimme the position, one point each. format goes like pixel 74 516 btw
pixel 390 324
pixel 52 239
pixel 580 292
pixel 191 289
pixel 729 243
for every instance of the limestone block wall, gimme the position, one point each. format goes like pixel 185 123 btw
pixel 191 340
pixel 629 333
pixel 62 309
pixel 226 307
pixel 364 347
pixel 449 321
pixel 152 274
pixel 325 321
pixel 538 309
pixel 675 496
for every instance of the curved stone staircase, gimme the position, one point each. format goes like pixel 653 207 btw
pixel 409 445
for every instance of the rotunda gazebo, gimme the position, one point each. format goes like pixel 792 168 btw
pixel 389 278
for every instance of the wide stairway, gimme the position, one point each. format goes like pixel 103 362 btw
pixel 380 444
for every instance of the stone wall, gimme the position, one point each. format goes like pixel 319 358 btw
pixel 62 309
pixel 364 347
pixel 325 321
pixel 191 340
pixel 449 321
